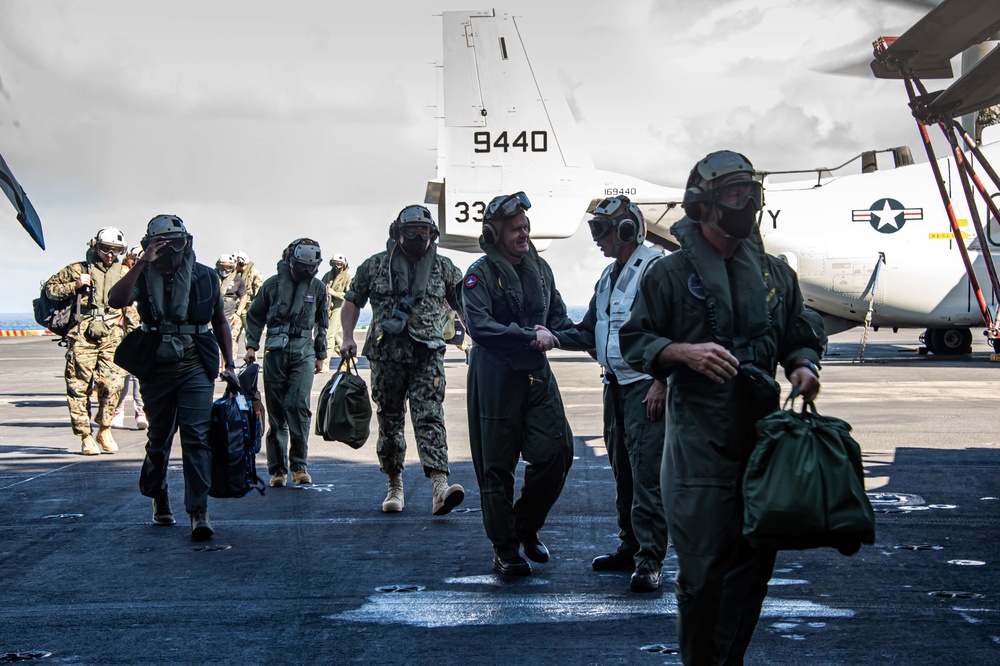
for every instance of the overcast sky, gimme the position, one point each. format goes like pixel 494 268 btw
pixel 258 122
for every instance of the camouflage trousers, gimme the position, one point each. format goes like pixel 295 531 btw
pixel 421 381
pixel 237 330
pixel 93 364
pixel 334 338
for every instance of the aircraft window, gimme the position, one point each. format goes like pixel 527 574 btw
pixel 503 48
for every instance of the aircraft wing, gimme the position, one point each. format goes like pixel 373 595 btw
pixel 26 214
pixel 947 30
pixel 976 89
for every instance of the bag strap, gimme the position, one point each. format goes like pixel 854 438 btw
pixel 350 362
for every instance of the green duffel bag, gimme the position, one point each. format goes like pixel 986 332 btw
pixel 344 412
pixel 804 484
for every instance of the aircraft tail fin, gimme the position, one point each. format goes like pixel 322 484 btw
pixel 504 126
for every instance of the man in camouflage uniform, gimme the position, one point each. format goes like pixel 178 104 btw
pixel 92 342
pixel 253 281
pixel 292 304
pixel 235 299
pixel 410 286
pixel 337 281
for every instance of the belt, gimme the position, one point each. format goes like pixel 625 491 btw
pixel 289 330
pixel 177 329
pixel 93 312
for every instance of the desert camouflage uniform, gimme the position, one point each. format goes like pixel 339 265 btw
pixel 90 361
pixel 337 288
pixel 409 365
pixel 253 281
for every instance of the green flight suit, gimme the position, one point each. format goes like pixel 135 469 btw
pixel 91 344
pixel 407 366
pixel 515 409
pixel 750 304
pixel 293 312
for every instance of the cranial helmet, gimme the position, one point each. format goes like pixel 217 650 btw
pixel 305 251
pixel 242 257
pixel 702 181
pixel 162 225
pixel 412 215
pixel 339 259
pixel 226 260
pixel 499 209
pixel 134 252
pixel 112 237
pixel 620 214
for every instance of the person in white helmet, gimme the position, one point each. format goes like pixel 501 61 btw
pixel 234 291
pixel 337 281
pixel 253 281
pixel 131 386
pixel 91 343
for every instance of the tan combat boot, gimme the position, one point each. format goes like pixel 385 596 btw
pixel 301 476
pixel 90 447
pixel 106 440
pixel 446 497
pixel 393 502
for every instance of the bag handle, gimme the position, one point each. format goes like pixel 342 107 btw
pixel 807 405
pixel 350 362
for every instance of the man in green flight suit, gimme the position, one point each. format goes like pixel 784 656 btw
pixel 293 305
pixel 410 287
pixel 91 344
pixel 176 361
pixel 713 320
pixel 511 307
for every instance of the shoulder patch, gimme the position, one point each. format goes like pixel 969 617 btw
pixel 471 281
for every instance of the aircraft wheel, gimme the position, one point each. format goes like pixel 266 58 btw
pixel 928 340
pixel 950 341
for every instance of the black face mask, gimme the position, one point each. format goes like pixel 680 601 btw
pixel 414 247
pixel 738 223
pixel 299 273
pixel 170 261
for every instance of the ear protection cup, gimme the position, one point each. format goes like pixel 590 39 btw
pixel 692 208
pixel 144 242
pixel 490 233
pixel 627 231
pixel 393 231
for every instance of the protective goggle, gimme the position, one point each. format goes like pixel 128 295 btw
pixel 414 231
pixel 508 206
pixel 734 195
pixel 103 248
pixel 303 269
pixel 175 244
pixel 612 212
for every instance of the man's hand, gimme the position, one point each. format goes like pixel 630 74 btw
pixel 544 339
pixel 230 376
pixel 233 320
pixel 709 358
pixel 318 366
pixel 83 280
pixel 655 400
pixel 348 348
pixel 250 357
pixel 808 382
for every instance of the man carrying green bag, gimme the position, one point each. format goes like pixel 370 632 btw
pixel 345 412
pixel 804 485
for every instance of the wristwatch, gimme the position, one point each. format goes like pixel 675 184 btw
pixel 812 367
